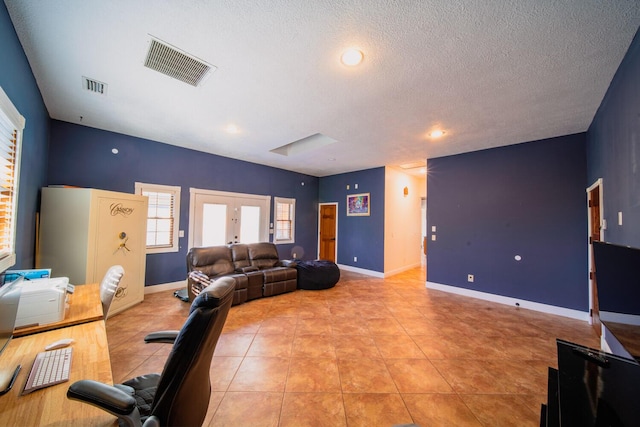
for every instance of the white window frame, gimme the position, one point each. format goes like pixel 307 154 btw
pixel 141 187
pixel 292 210
pixel 13 121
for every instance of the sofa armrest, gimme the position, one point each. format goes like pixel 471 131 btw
pixel 292 263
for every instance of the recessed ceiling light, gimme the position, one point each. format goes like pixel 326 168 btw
pixel 352 57
pixel 231 128
pixel 436 133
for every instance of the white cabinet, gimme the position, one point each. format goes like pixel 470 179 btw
pixel 85 231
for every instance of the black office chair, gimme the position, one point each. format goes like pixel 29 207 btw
pixel 180 395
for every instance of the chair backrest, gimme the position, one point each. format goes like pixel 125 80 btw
pixel 108 287
pixel 184 389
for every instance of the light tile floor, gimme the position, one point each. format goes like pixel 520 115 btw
pixel 368 352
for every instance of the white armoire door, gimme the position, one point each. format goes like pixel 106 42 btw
pixel 119 241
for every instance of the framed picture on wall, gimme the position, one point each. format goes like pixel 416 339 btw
pixel 358 204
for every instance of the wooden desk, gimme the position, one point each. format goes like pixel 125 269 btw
pixel 84 306
pixel 50 406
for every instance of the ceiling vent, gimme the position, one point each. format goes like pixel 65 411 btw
pixel 175 63
pixel 94 86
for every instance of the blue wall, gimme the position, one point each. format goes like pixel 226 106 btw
pixel 613 152
pixel 81 156
pixel 20 86
pixel 358 236
pixel 527 199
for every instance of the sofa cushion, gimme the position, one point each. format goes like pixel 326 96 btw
pixel 263 255
pixel 279 274
pixel 212 261
pixel 240 257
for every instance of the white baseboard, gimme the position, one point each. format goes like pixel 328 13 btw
pixel 627 319
pixel 361 271
pixel 515 302
pixel 165 287
pixel 401 269
pixel 610 344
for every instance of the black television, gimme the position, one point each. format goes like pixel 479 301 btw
pixel 596 388
pixel 617 270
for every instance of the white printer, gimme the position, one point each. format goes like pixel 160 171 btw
pixel 42 301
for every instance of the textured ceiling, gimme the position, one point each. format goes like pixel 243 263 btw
pixel 490 73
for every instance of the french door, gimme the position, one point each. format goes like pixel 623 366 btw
pixel 220 218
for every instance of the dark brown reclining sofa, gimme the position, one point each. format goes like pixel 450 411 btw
pixel 256 267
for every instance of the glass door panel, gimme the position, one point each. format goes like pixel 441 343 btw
pixel 214 224
pixel 249 224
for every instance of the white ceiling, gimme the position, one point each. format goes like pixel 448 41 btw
pixel 490 73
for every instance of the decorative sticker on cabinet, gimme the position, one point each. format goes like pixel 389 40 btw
pixel 119 209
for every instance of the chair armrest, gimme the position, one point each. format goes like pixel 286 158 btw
pixel 152 421
pixel 105 397
pixel 289 263
pixel 166 337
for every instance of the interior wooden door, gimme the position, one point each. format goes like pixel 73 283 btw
pixel 328 232
pixel 594 235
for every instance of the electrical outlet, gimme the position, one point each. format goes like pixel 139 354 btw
pixel 469 277
pixel 355 259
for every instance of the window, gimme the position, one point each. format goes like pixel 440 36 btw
pixel 11 127
pixel 285 213
pixel 163 217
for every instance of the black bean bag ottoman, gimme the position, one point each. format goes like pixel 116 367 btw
pixel 317 274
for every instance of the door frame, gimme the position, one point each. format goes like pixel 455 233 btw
pixel 596 185
pixel 335 250
pixel 193 192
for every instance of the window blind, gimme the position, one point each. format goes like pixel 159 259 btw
pixel 11 126
pixel 160 219
pixel 285 214
pixel 283 221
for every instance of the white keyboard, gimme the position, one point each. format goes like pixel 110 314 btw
pixel 49 368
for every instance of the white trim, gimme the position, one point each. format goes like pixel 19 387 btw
pixel 627 319
pixel 11 111
pixel 402 269
pixel 335 247
pixel 154 289
pixel 597 184
pixel 610 344
pixel 17 121
pixel 159 188
pixel 361 271
pixel 604 345
pixel 530 305
pixel 292 206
